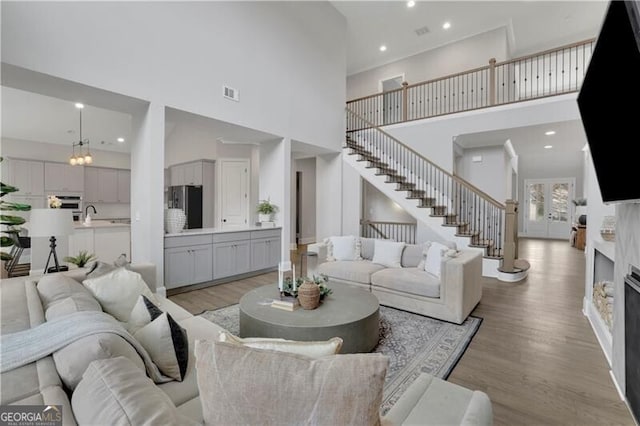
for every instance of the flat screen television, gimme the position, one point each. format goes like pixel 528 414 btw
pixel 608 103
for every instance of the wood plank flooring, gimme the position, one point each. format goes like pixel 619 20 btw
pixel 535 354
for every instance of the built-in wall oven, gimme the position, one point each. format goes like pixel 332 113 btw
pixel 73 203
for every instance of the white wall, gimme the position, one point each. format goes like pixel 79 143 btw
pixel 379 207
pixel 329 198
pixel 472 52
pixel 488 174
pixel 287 59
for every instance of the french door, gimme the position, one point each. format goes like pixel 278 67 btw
pixel 547 209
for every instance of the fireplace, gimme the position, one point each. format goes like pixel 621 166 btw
pixel 632 340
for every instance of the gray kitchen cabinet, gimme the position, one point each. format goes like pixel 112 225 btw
pixel 231 258
pixel 91 184
pixel 105 185
pixel 265 253
pixel 187 265
pixel 108 185
pixel 61 177
pixel 187 174
pixel 26 175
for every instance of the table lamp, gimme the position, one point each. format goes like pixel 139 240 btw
pixel 51 223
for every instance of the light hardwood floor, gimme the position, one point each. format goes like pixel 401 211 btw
pixel 535 354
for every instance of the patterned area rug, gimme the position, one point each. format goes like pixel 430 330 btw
pixel 413 343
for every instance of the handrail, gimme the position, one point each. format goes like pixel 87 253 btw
pixel 432 164
pixel 546 52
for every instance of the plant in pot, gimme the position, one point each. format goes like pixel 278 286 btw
pixel 81 259
pixel 10 224
pixel 266 210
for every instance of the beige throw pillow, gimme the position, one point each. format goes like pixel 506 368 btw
pixel 388 253
pixel 77 302
pixel 115 392
pixel 433 263
pixel 117 291
pixel 314 349
pixel 287 388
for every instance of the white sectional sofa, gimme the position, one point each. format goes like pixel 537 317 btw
pixel 450 297
pixel 430 401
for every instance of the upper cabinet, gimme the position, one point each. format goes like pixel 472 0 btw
pixel 104 185
pixel 186 174
pixel 26 175
pixel 60 177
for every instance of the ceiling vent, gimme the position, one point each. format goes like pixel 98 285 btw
pixel 422 31
pixel 230 93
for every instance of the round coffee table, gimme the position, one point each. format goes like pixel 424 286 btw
pixel 349 313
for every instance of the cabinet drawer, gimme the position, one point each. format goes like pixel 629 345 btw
pixel 267 233
pixel 187 240
pixel 231 236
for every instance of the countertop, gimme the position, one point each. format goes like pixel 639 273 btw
pixel 99 223
pixel 205 231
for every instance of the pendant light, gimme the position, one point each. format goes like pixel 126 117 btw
pixel 81 158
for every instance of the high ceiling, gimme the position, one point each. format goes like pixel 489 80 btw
pixel 531 25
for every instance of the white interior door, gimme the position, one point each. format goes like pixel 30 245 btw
pixel 234 193
pixel 548 207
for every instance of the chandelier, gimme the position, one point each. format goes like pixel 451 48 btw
pixel 81 158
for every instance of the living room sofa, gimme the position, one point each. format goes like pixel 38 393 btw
pixel 428 401
pixel 450 297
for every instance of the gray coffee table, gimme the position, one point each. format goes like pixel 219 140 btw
pixel 349 313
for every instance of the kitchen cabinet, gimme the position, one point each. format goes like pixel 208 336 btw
pixel 106 242
pixel 26 175
pixel 61 177
pixel 107 186
pixel 265 253
pixel 104 185
pixel 231 258
pixel 187 261
pixel 187 174
pixel 124 186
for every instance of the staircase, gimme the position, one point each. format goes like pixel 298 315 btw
pixel 452 207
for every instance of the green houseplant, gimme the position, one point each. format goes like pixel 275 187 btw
pixel 266 210
pixel 10 224
pixel 81 259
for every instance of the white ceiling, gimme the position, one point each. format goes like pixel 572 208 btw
pixel 532 25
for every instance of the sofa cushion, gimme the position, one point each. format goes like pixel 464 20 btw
pixel 359 272
pixel 117 291
pixel 311 349
pixel 408 280
pixel 167 344
pixel 332 390
pixel 57 286
pixel 412 255
pixel 115 392
pixel 367 247
pixel 77 302
pixel 388 253
pixel 72 360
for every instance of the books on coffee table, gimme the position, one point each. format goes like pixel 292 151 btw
pixel 287 303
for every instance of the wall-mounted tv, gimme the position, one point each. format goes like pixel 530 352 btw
pixel 609 103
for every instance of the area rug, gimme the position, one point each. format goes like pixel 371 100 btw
pixel 414 344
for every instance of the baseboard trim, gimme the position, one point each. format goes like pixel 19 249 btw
pixel 617 385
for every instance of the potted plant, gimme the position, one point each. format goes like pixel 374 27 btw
pixel 266 210
pixel 10 224
pixel 81 259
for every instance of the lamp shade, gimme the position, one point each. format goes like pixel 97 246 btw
pixel 50 222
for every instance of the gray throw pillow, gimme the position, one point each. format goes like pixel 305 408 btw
pixel 98 268
pixel 54 287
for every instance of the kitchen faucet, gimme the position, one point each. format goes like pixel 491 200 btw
pixel 87 208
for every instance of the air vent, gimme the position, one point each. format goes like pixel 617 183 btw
pixel 230 93
pixel 422 31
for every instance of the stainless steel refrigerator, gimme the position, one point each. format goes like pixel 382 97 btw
pixel 189 199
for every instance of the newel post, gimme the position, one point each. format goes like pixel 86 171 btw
pixel 405 101
pixel 492 81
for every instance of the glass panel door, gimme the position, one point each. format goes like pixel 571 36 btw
pixel 547 209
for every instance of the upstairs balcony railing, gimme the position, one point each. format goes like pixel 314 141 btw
pixel 552 72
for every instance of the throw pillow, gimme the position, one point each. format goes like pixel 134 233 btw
pixel 312 349
pixel 54 287
pixel 346 248
pixel 167 345
pixel 287 388
pixel 388 253
pixel 118 291
pixel 98 268
pixel 72 360
pixel 115 392
pixel 433 264
pixel 367 246
pixel 425 248
pixel 327 242
pixel 143 312
pixel 77 302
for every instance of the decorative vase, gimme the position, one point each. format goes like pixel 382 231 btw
pixel 174 220
pixel 309 295
pixel 264 217
pixel 608 229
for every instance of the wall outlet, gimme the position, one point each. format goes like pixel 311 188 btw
pixel 230 93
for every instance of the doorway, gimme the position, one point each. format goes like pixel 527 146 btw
pixel 234 193
pixel 391 99
pixel 547 207
pixel 298 207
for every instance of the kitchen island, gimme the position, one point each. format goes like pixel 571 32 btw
pixel 196 258
pixel 105 238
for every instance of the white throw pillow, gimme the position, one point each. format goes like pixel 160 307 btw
pixel 433 263
pixel 118 291
pixel 314 349
pixel 346 248
pixel 388 253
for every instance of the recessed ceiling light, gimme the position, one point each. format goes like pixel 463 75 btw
pixel 120 140
pixel 550 133
pixel 383 48
pixel 79 105
pixel 446 25
pixel 411 3
pixel 548 146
